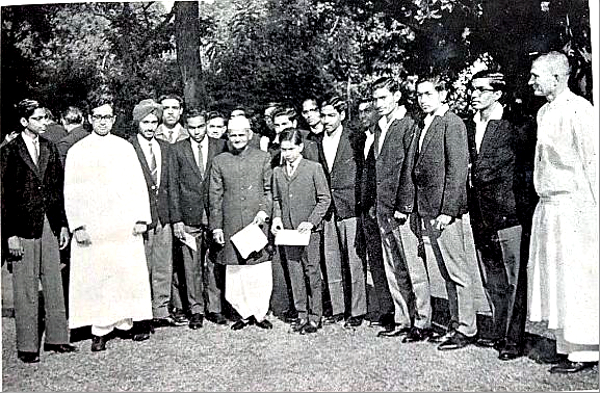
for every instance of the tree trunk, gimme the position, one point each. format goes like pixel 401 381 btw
pixel 187 40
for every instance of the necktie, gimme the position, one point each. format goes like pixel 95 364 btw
pixel 36 148
pixel 290 169
pixel 200 161
pixel 152 164
pixel 170 136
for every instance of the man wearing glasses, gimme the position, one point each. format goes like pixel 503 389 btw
pixel 108 208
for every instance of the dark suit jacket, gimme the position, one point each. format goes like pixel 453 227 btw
pixel 491 192
pixel 189 190
pixel 302 197
pixel 72 137
pixel 30 192
pixel 344 178
pixel 434 180
pixel 54 133
pixel 159 194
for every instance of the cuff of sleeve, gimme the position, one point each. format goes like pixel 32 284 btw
pixel 262 215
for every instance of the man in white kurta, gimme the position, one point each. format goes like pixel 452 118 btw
pixel 107 206
pixel 563 261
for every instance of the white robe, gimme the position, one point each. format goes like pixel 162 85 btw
pixel 563 261
pixel 105 191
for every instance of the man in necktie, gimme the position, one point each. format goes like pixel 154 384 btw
pixel 154 158
pixel 190 165
pixel 34 227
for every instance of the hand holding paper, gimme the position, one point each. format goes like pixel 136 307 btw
pixel 250 239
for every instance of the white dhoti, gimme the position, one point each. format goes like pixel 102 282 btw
pixel 248 289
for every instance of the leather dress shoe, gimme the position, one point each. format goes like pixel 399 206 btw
pixel 353 322
pixel 240 324
pixel 398 332
pixel 60 348
pixel 484 342
pixel 141 331
pixel 168 321
pixel 217 318
pixel 28 357
pixel 387 322
pixel 99 343
pixel 510 351
pixel 417 334
pixel 179 317
pixel 456 341
pixel 264 324
pixel 333 319
pixel 290 316
pixel 310 328
pixel 299 324
pixel 196 321
pixel 569 367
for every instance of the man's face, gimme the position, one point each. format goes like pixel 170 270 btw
pixel 385 101
pixel 148 125
pixel 216 127
pixel 171 111
pixel 197 128
pixel 429 98
pixel 102 119
pixel 283 122
pixel 331 118
pixel 365 113
pixel 37 122
pixel 239 138
pixel 483 94
pixel 310 113
pixel 541 79
pixel 290 152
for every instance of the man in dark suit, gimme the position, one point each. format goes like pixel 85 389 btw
pixel 190 168
pixel 72 121
pixel 434 186
pixel 154 157
pixel 33 217
pixel 492 206
pixel 54 132
pixel 341 164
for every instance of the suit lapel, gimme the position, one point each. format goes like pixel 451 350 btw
pixel 164 162
pixel 429 134
pixel 44 157
pixel 295 174
pixel 142 158
pixel 26 157
pixel 488 137
pixel 341 150
pixel 189 155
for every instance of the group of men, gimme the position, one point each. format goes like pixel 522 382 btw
pixel 152 218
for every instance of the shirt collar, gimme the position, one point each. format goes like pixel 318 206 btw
pixel 441 111
pixel 397 114
pixel 496 113
pixel 29 138
pixel 295 163
pixel 335 134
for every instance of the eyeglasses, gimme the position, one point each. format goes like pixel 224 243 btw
pixel 102 117
pixel 38 118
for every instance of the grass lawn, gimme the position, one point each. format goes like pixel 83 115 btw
pixel 216 358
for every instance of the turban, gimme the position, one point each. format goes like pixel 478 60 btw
pixel 146 107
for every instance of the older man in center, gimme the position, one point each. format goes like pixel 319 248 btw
pixel 240 194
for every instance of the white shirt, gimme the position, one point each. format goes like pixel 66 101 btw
pixel 204 147
pixel 368 142
pixel 292 166
pixel 441 111
pixel 481 125
pixel 30 143
pixel 330 146
pixel 384 125
pixel 145 145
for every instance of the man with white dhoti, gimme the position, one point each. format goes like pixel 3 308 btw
pixel 563 261
pixel 107 206
pixel 239 195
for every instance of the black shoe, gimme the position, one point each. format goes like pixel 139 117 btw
pixel 398 332
pixel 196 321
pixel 487 342
pixel 217 318
pixel 60 348
pixel 141 331
pixel 417 334
pixel 310 327
pixel 179 317
pixel 510 351
pixel 387 322
pixel 28 357
pixel 99 343
pixel 168 321
pixel 264 324
pixel 290 316
pixel 353 322
pixel 456 341
pixel 569 367
pixel 299 324
pixel 333 319
pixel 240 324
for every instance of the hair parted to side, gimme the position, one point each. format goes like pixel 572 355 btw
pixel 194 112
pixel 337 103
pixel 440 82
pixel 386 82
pixel 291 135
pixel 26 107
pixel 495 79
pixel 281 111
pixel 171 96
pixel 214 115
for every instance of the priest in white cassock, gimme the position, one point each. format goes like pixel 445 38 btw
pixel 563 259
pixel 107 206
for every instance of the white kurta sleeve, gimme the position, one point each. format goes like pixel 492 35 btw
pixel 75 188
pixel 585 135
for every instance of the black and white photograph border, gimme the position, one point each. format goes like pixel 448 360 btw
pixel 217 358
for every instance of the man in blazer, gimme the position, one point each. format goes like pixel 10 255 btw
pixel 154 156
pixel 191 162
pixel 434 186
pixel 33 217
pixel 341 164
pixel 72 121
pixel 492 206
pixel 405 272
